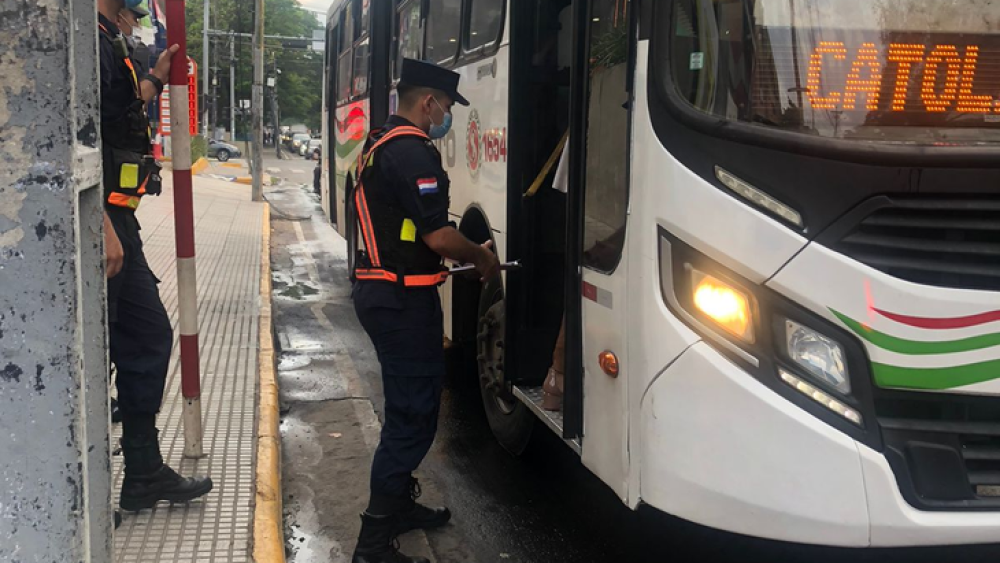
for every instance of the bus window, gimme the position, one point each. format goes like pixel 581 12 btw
pixel 331 63
pixel 365 16
pixel 347 26
pixel 344 60
pixel 606 190
pixel 444 25
pixel 362 57
pixel 485 22
pixel 410 37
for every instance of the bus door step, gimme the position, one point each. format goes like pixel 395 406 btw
pixel 532 398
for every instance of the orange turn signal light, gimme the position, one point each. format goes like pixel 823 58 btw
pixel 609 363
pixel 724 304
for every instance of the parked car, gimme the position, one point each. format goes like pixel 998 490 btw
pixel 297 140
pixel 306 149
pixel 222 151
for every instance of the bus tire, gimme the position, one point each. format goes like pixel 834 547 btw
pixel 511 422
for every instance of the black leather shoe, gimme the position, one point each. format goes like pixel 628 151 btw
pixel 377 542
pixel 144 491
pixel 420 516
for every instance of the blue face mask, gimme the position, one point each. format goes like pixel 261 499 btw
pixel 439 131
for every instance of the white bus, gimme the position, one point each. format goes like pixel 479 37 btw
pixel 778 257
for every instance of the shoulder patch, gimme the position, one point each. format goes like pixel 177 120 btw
pixel 427 185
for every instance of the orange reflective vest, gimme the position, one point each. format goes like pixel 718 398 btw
pixel 369 264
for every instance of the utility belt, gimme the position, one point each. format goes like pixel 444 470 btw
pixel 129 175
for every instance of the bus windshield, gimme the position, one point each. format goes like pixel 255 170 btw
pixel 923 72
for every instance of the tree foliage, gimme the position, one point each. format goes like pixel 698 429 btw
pixel 301 78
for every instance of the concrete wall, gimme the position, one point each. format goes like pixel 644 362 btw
pixel 54 457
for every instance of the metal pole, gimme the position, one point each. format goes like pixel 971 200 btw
pixel 55 499
pixel 232 88
pixel 187 288
pixel 257 106
pixel 204 66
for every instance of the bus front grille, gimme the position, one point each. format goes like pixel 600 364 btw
pixel 947 242
pixel 943 449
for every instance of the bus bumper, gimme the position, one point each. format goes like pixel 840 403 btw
pixel 720 449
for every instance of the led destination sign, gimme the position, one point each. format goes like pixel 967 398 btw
pixel 903 77
pixel 936 80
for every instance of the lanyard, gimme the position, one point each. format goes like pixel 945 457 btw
pixel 128 62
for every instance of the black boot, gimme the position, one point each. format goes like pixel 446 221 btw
pixel 420 516
pixel 377 542
pixel 147 479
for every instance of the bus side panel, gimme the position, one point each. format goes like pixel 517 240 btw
pixel 351 127
pixel 475 152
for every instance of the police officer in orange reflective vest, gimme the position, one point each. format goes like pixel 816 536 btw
pixel 141 337
pixel 401 202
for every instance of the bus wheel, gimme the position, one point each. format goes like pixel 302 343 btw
pixel 509 419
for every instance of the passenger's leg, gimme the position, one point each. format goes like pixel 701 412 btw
pixel 552 390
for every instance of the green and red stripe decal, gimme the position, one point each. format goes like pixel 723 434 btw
pixel 938 378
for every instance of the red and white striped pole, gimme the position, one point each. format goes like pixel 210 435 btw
pixel 187 288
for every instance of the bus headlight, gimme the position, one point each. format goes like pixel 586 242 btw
pixel 819 356
pixel 727 306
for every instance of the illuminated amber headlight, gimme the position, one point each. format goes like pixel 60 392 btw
pixel 727 306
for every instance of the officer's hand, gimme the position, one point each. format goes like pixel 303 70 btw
pixel 487 265
pixel 114 255
pixel 162 68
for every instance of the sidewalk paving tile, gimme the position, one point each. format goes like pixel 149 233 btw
pixel 216 528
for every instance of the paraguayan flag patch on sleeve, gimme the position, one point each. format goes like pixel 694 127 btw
pixel 427 186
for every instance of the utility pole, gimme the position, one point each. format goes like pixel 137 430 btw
pixel 204 66
pixel 232 88
pixel 55 500
pixel 275 114
pixel 257 105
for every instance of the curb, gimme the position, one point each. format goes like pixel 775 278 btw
pixel 199 165
pixel 268 529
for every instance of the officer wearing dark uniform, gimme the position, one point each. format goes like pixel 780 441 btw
pixel 141 337
pixel 401 202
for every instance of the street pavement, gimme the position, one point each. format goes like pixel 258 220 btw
pixel 541 507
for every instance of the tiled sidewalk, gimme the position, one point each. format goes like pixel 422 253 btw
pixel 217 528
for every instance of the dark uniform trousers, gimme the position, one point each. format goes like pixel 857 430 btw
pixel 140 332
pixel 406 327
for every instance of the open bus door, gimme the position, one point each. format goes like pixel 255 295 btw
pixel 597 363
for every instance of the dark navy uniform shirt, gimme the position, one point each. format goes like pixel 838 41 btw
pixel 412 172
pixel 117 89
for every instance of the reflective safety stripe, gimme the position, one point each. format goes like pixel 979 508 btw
pixel 365 217
pixel 419 280
pixel 135 79
pixel 122 200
